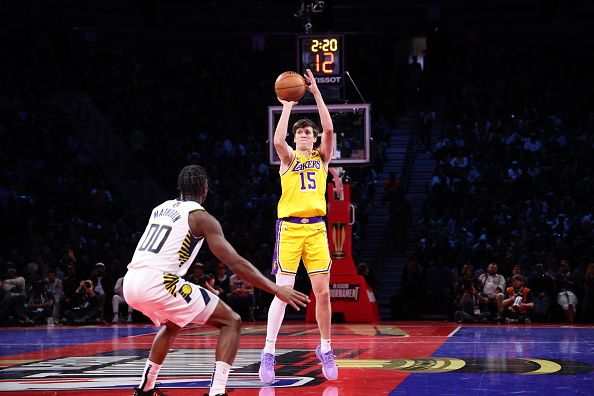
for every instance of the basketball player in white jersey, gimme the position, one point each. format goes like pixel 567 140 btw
pixel 155 286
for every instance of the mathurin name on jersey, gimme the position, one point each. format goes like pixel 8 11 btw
pixel 166 212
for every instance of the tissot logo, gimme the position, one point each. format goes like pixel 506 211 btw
pixel 326 80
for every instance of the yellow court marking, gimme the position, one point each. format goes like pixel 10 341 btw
pixel 546 367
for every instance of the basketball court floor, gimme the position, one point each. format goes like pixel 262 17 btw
pixel 391 358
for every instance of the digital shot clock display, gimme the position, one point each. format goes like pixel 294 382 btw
pixel 324 56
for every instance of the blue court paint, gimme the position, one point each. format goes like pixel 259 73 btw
pixel 15 341
pixel 497 355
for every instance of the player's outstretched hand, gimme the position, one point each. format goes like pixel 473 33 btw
pixel 292 297
pixel 310 82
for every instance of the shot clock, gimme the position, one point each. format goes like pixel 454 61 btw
pixel 324 56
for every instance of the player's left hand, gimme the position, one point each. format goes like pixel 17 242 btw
pixel 310 82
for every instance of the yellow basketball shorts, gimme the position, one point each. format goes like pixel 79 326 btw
pixel 301 238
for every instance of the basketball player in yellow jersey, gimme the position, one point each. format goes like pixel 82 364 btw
pixel 300 228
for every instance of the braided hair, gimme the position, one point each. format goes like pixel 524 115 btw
pixel 192 182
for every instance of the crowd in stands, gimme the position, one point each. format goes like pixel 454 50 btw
pixel 512 188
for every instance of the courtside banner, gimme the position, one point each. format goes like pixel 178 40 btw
pixel 344 291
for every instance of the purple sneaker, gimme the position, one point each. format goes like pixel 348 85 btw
pixel 266 371
pixel 328 365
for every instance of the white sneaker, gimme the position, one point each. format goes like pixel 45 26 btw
pixel 129 320
pixel 115 319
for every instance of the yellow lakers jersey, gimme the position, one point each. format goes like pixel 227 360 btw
pixel 303 187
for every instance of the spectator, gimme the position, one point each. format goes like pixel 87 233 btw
pixel 103 285
pixel 32 277
pixel 588 303
pixel 363 270
pixel 467 275
pixel 41 303
pixel 86 307
pixel 471 305
pixel 543 292
pixel 481 252
pixel 118 299
pixel 57 288
pixel 518 304
pixel 532 144
pixel 197 273
pixel 71 284
pixel 516 270
pixel 14 283
pixel 493 285
pixel 566 285
pixel 222 281
pixel 207 281
pixel 242 298
pixel 12 307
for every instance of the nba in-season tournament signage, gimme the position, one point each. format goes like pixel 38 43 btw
pixel 344 291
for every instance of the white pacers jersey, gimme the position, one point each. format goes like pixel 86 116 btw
pixel 167 244
pixel 154 282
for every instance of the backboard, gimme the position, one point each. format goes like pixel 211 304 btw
pixel 352 125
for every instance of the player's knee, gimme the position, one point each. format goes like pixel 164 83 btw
pixel 235 321
pixel 323 296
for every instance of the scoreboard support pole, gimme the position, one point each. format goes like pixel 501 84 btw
pixel 350 295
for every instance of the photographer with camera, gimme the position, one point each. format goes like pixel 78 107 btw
pixel 470 304
pixel 87 308
pixel 207 281
pixel 41 302
pixel 518 304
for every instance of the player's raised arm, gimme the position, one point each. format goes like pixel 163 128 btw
pixel 327 143
pixel 203 224
pixel 284 151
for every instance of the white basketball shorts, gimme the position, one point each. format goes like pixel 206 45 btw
pixel 163 297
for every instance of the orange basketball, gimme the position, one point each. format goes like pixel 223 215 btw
pixel 290 86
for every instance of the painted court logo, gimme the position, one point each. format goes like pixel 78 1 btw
pixel 185 368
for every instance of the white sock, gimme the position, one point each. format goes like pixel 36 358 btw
pixel 276 314
pixel 149 375
pixel 219 378
pixel 270 346
pixel 325 345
